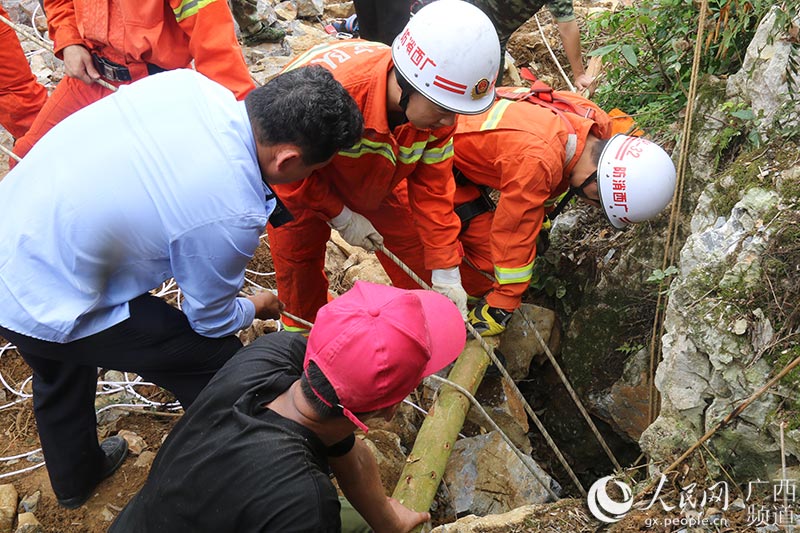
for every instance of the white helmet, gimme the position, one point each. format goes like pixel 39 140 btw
pixel 635 178
pixel 450 53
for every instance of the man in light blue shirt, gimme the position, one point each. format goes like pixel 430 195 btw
pixel 166 178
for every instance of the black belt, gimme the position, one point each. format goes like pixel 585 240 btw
pixel 116 72
pixel 281 214
pixel 482 204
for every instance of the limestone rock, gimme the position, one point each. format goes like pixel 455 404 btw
pixel 709 365
pixel 286 10
pixel 145 459
pixel 518 519
pixel 762 80
pixel 8 506
pixel 519 343
pixel 136 444
pixel 404 424
pixel 339 10
pixel 256 330
pixel 484 476
pixel 505 409
pixel 27 523
pixel 625 405
pixel 310 8
pixel 304 36
pixel 385 446
pixel 30 503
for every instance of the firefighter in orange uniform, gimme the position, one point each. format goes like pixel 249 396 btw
pixel 21 96
pixel 534 146
pixel 444 63
pixel 122 41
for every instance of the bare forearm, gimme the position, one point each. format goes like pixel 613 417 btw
pixel 571 39
pixel 358 477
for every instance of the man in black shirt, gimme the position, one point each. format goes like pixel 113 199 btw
pixel 253 452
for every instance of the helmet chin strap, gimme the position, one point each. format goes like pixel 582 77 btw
pixel 406 90
pixel 573 191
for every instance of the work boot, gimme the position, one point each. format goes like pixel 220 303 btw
pixel 263 33
pixel 115 450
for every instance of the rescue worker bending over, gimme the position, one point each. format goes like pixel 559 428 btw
pixel 444 63
pixel 533 153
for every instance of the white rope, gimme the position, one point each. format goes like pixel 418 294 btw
pixel 33 25
pixel 501 368
pixel 9 153
pixel 490 352
pixel 553 55
pixel 17 472
pixel 527 461
pixel 22 30
pixel 20 456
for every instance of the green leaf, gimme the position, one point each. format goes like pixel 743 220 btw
pixel 671 270
pixel 603 50
pixel 744 114
pixel 630 55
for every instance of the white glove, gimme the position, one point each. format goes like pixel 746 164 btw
pixel 356 230
pixel 447 282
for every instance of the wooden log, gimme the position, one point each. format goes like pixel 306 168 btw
pixel 425 464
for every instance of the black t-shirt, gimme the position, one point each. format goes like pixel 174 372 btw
pixel 231 465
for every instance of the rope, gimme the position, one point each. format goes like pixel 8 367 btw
pixel 725 421
pixel 573 394
pixel 672 230
pixel 553 55
pixel 564 380
pixel 522 457
pixel 9 153
pixel 513 386
pixel 47 46
pixel 27 33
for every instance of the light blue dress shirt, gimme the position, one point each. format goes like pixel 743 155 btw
pixel 158 180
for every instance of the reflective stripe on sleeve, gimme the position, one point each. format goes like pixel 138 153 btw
pixel 189 8
pixel 437 155
pixel 367 146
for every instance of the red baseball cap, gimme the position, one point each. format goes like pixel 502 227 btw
pixel 375 343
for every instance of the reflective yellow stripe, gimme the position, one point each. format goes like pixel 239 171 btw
pixel 499 109
pixel 495 115
pixel 189 8
pixel 437 155
pixel 504 276
pixel 411 154
pixel 367 146
pixel 295 329
pixel 553 201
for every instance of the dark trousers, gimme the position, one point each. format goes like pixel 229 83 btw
pixel 156 342
pixel 382 20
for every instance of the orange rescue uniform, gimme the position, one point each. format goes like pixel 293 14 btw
pixel 165 34
pixel 399 178
pixel 520 149
pixel 21 96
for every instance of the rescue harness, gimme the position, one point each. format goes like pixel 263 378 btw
pixel 541 94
